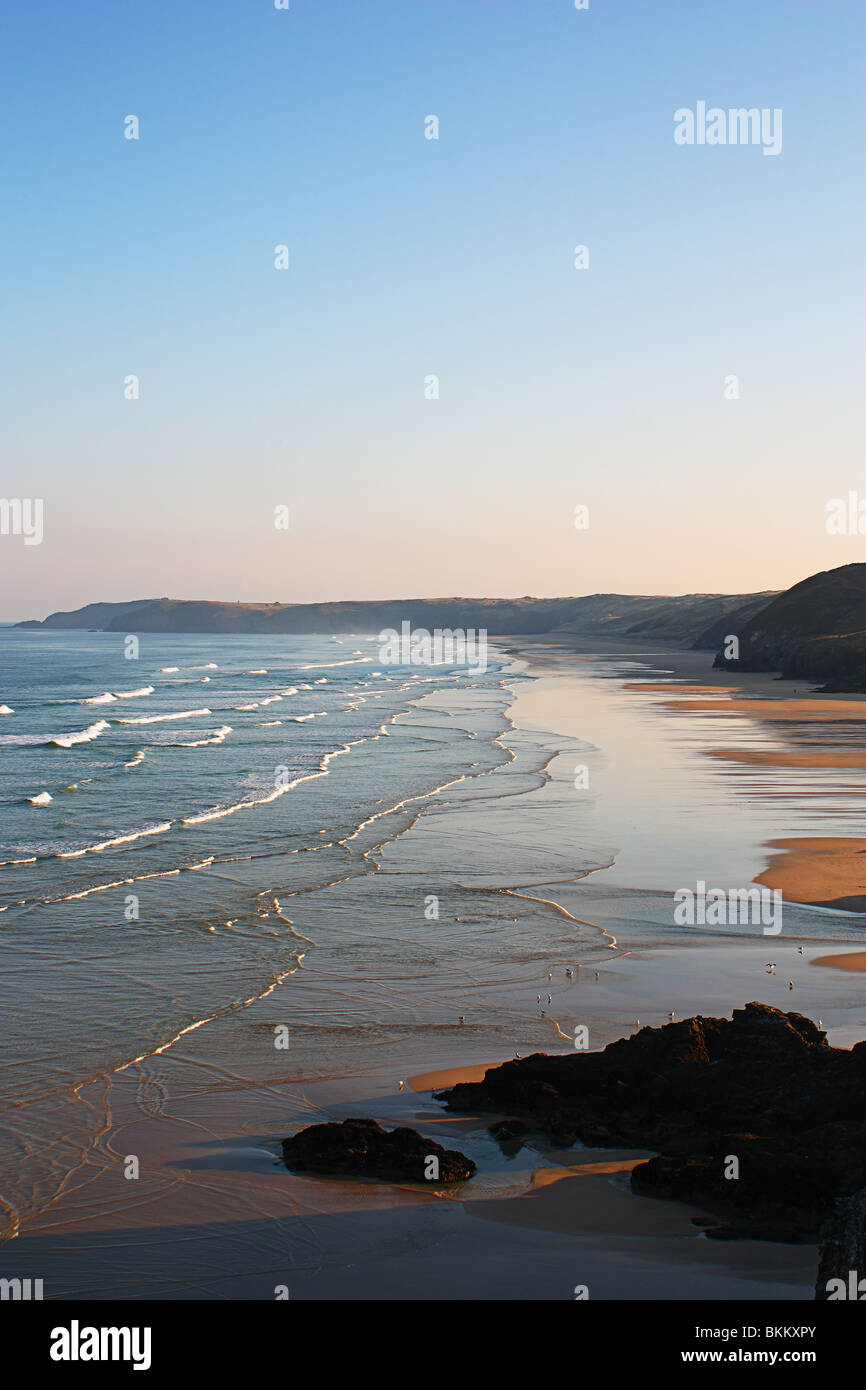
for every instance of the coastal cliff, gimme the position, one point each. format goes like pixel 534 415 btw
pixel 814 631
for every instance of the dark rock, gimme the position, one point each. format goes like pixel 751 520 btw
pixel 763 1087
pixel 365 1149
pixel 816 630
pixel 509 1129
pixel 843 1250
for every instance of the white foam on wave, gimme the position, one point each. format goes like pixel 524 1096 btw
pixel 117 840
pixel 136 878
pixel 81 735
pixel 290 690
pixel 246 707
pixel 4 709
pixel 326 665
pixel 162 718
pixel 220 812
pixel 270 724
pixel 133 694
pixel 272 699
pixel 139 758
pixel 169 670
pixel 41 799
pixel 262 672
pixel 106 698
pixel 218 736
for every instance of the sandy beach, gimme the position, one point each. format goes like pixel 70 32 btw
pixel 214 1213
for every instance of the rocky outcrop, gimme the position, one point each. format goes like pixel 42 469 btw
pixel 814 631
pixel 755 1118
pixel 363 1148
pixel 843 1253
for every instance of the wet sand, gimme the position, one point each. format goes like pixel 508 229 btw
pixel 214 1213
pixel 824 757
pixel 792 708
pixel 848 960
pixel 824 871
pixel 448 1076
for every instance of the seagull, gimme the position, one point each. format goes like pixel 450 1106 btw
pixel 400 1084
pixel 550 998
pixel 460 1018
pixel 538 998
pixel 671 1016
pixel 637 1023
pixel 790 984
pixel 597 976
pixel 550 976
pixel 568 974
pixel 771 967
pixel 820 1023
pixel 800 949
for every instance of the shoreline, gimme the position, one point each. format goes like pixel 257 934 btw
pixel 811 866
pixel 206 1115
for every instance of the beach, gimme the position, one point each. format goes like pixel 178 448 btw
pixel 538 872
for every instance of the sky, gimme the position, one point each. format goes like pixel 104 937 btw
pixel 308 388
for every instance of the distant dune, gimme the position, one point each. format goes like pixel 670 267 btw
pixel 683 620
pixel 815 630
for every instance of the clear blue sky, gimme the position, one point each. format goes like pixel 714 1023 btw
pixel 409 257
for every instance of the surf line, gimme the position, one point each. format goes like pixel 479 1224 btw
pixel 558 1030
pixel 549 902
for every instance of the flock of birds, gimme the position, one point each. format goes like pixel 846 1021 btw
pixel 573 973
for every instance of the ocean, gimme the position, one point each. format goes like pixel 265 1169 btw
pixel 252 882
pixel 161 817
